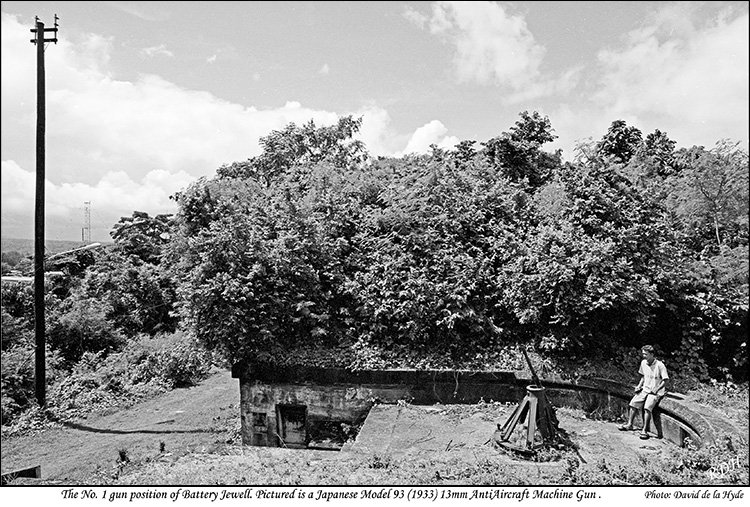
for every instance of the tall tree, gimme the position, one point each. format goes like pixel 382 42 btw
pixel 620 142
pixel 660 148
pixel 712 190
pixel 302 145
pixel 518 155
pixel 533 129
pixel 142 236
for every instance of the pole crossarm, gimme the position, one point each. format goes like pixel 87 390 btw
pixel 41 25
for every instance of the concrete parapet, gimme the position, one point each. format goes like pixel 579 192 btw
pixel 294 403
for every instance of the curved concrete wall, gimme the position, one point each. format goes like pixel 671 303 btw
pixel 680 418
pixel 341 395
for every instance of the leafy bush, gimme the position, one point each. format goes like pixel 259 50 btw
pixel 15 331
pixel 176 360
pixel 18 302
pixel 82 326
pixel 142 368
pixel 18 379
pixel 461 251
pixel 98 380
pixel 139 296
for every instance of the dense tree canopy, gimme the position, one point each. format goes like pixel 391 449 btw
pixel 301 145
pixel 621 142
pixel 457 251
pixel 517 154
pixel 427 260
pixel 315 252
pixel 142 236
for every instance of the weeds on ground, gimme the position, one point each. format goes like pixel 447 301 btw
pixel 724 463
pixel 715 465
pixel 100 381
pixel 288 467
pixel 727 398
pixel 123 463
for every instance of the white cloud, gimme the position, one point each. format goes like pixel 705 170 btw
pixel 17 187
pixel 161 49
pixel 96 123
pixel 17 198
pixel 116 194
pixel 211 59
pixel 426 135
pixel 381 140
pixel 375 122
pixel 566 83
pixel 129 145
pixel 492 46
pixel 683 71
pixel 325 69
pixel 415 17
pixel 121 145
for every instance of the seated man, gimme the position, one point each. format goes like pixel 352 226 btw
pixel 649 391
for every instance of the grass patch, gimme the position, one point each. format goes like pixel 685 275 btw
pixel 283 467
pixel 727 398
pixel 101 381
pixel 724 463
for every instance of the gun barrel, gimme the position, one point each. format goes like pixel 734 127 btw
pixel 534 377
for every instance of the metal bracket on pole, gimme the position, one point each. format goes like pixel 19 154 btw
pixel 34 30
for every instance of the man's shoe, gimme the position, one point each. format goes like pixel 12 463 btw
pixel 625 427
pixel 644 436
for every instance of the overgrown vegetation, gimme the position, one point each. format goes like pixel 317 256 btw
pixel 315 252
pixel 99 381
pixel 111 338
pixel 462 252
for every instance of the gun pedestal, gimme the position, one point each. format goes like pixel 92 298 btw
pixel 535 413
pixel 541 416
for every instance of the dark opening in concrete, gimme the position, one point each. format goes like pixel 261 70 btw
pixel 292 425
pixel 33 472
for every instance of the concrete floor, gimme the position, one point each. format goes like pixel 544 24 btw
pixel 400 430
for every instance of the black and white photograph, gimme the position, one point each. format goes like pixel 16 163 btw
pixel 327 252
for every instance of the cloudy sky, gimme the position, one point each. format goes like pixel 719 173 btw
pixel 145 97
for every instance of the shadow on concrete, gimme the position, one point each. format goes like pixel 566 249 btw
pixel 81 427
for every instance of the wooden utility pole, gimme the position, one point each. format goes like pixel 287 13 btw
pixel 39 330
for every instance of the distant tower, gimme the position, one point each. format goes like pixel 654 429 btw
pixel 86 231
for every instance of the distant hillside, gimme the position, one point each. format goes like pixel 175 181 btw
pixel 26 246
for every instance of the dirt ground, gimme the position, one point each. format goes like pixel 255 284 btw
pixel 205 419
pixel 196 419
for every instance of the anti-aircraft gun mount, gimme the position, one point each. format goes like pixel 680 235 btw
pixel 534 413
